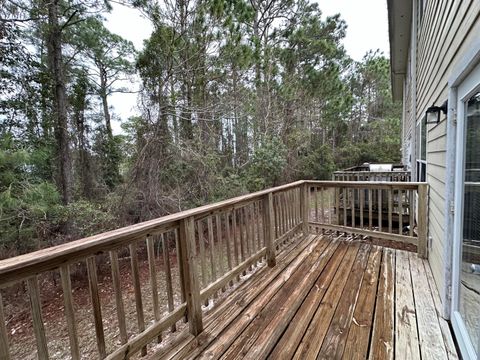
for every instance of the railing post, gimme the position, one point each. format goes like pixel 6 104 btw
pixel 304 206
pixel 422 248
pixel 269 228
pixel 190 281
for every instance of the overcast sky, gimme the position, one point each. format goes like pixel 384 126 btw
pixel 366 20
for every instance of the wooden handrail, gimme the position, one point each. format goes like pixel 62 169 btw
pixel 367 184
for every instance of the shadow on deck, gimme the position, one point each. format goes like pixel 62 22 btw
pixel 328 297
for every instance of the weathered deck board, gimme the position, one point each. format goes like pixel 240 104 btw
pixel 383 326
pixel 328 297
pixel 263 285
pixel 431 340
pixel 359 333
pixel 406 338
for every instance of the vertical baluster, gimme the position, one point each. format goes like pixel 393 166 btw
pixel 337 204
pixel 411 207
pixel 268 229
pixel 315 199
pixel 236 239
pixel 282 207
pixel 4 347
pixel 345 203
pixel 211 243
pixel 117 289
pixel 370 209
pixel 305 208
pixel 293 195
pixel 220 247
pixel 380 209
pixel 201 242
pixel 97 310
pixel 248 229
pixel 362 205
pixel 248 232
pixel 288 208
pixel 322 203
pixel 297 206
pixel 153 278
pixel 36 310
pixel 168 275
pixel 353 207
pixel 229 243
pixel 291 205
pixel 69 312
pixel 258 218
pixel 183 295
pixel 255 228
pixel 138 291
pixel 242 235
pixel 38 327
pixel 400 211
pixel 235 236
pixel 390 210
pixel 278 220
pixel 281 216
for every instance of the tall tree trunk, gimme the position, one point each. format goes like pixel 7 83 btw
pixel 54 40
pixel 84 168
pixel 257 126
pixel 103 96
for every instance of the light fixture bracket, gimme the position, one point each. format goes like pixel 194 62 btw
pixel 433 113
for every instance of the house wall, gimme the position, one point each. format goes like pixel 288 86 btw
pixel 443 35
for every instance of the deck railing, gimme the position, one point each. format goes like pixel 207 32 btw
pixel 200 254
pixel 380 209
pixel 403 176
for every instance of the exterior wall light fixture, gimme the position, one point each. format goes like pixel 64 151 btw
pixel 433 113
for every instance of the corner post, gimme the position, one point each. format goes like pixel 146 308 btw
pixel 422 248
pixel 190 280
pixel 269 228
pixel 304 207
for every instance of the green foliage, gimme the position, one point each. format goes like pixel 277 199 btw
pixel 267 165
pixel 318 164
pixel 28 210
pixel 87 218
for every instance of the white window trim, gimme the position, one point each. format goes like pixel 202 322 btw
pixel 466 65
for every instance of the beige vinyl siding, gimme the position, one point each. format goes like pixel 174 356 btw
pixel 408 116
pixel 443 36
pixel 408 123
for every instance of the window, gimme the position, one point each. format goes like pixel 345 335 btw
pixel 421 151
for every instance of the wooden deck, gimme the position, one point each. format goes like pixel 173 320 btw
pixel 328 297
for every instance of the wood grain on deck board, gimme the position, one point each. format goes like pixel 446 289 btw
pixel 427 320
pixel 288 343
pixel 383 327
pixel 357 343
pixel 234 337
pixel 270 323
pixel 406 333
pixel 313 338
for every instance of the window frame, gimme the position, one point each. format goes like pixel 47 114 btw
pixel 421 151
